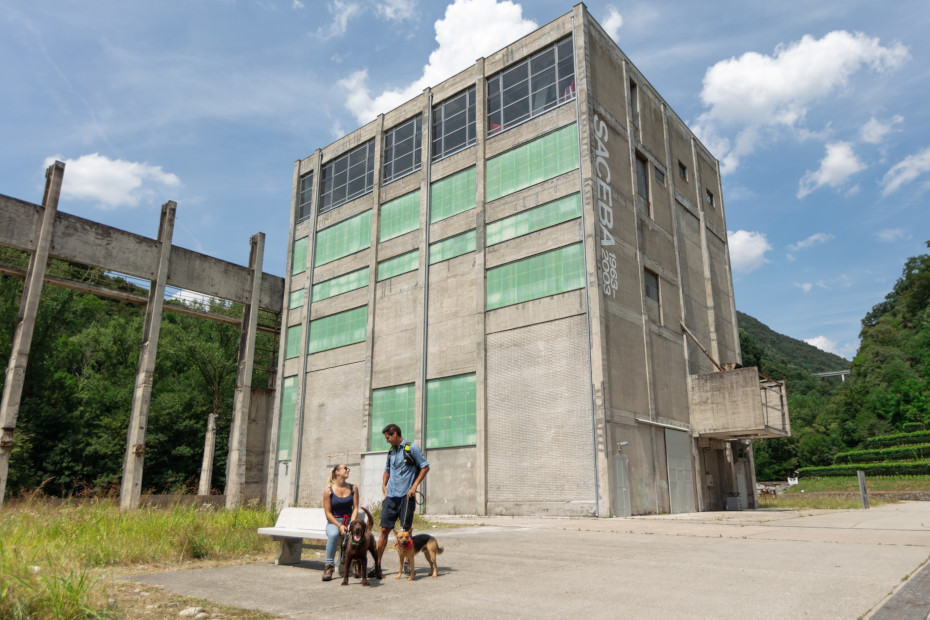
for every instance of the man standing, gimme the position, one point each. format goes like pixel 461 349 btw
pixel 405 469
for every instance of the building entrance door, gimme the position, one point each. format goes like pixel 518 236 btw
pixel 680 476
pixel 621 505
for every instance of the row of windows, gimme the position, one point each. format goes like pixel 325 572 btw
pixel 544 158
pixel 450 413
pixel 518 93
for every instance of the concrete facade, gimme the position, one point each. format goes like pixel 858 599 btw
pixel 583 398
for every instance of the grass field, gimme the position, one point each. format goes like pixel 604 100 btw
pixel 804 494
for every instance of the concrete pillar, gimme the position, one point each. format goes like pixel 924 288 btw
pixel 236 462
pixel 209 449
pixel 131 485
pixel 25 323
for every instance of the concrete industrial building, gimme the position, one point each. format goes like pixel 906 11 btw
pixel 526 268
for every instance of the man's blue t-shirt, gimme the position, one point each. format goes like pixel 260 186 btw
pixel 402 475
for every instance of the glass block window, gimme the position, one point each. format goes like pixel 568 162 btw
pixel 292 342
pixel 299 259
pixel 398 265
pixel 305 199
pixel 454 124
pixel 534 219
pixel 288 411
pixel 297 299
pixel 528 88
pixel 535 277
pixel 543 158
pixel 340 285
pixel 392 405
pixel 399 216
pixel 402 149
pixel 450 412
pixel 347 177
pixel 452 247
pixel 453 194
pixel 338 330
pixel 347 237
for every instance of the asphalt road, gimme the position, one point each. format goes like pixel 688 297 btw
pixel 746 564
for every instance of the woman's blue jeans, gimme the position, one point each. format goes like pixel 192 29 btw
pixel 332 541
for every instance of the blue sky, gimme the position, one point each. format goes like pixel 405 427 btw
pixel 817 112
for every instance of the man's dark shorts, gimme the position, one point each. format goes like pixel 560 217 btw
pixel 391 508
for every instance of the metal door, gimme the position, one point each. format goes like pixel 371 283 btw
pixel 621 504
pixel 680 476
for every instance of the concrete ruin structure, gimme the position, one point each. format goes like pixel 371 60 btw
pixel 526 268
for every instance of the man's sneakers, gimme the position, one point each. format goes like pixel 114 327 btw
pixel 375 572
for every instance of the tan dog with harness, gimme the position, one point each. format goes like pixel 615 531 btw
pixel 408 546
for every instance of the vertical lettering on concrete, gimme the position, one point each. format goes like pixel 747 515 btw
pixel 605 210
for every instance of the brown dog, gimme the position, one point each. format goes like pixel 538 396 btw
pixel 361 543
pixel 408 546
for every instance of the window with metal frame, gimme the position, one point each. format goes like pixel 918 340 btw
pixel 402 149
pixel 452 247
pixel 347 237
pixel 399 216
pixel 288 411
pixel 544 158
pixel 391 405
pixel 299 256
pixel 347 177
pixel 292 342
pixel 338 330
pixel 454 124
pixel 451 412
pixel 453 194
pixel 305 198
pixel 398 265
pixel 651 291
pixel 542 275
pixel 531 220
pixel 342 284
pixel 531 87
pixel 642 178
pixel 296 300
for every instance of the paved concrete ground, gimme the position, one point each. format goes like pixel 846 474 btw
pixel 749 564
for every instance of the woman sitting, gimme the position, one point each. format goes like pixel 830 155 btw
pixel 340 501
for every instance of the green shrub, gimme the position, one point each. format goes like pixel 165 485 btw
pixel 898 439
pixel 891 468
pixel 914 452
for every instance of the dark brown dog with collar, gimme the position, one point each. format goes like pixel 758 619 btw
pixel 361 542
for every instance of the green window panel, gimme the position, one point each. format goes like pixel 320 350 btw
pixel 537 276
pixel 297 299
pixel 392 405
pixel 340 285
pixel 398 265
pixel 347 237
pixel 534 219
pixel 400 216
pixel 292 342
pixel 450 412
pixel 452 247
pixel 453 194
pixel 338 330
pixel 288 411
pixel 533 162
pixel 299 262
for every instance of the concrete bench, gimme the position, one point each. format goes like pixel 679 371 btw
pixel 293 526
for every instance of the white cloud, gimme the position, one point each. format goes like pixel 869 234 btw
pixel 906 171
pixel 892 235
pixel 815 239
pixel 342 12
pixel 297 4
pixel 397 10
pixel 805 286
pixel 836 167
pixel 112 183
pixel 612 22
pixel 756 91
pixel 874 131
pixel 747 250
pixel 824 344
pixel 470 29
